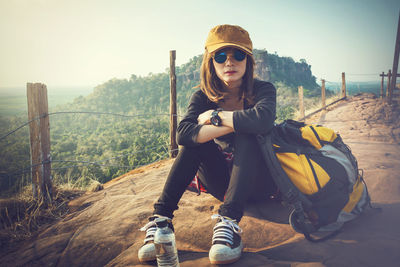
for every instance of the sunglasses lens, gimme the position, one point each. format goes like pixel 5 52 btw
pixel 239 55
pixel 220 57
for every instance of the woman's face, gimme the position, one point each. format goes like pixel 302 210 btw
pixel 231 71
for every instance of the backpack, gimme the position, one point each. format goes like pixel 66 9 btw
pixel 317 174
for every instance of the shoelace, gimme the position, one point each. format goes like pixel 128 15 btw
pixel 150 229
pixel 224 229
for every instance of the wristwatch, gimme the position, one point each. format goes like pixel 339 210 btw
pixel 215 118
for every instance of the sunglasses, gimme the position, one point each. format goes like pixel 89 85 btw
pixel 238 55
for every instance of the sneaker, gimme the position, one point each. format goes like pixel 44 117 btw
pixel 226 242
pixel 147 251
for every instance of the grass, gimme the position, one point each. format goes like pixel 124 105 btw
pixel 22 216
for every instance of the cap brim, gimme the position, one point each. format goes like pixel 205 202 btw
pixel 215 47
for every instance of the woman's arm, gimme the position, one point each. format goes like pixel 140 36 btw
pixel 259 118
pixel 209 132
pixel 254 120
pixel 192 129
pixel 189 127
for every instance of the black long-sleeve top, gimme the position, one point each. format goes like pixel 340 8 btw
pixel 257 118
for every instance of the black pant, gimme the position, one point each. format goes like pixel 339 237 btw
pixel 249 179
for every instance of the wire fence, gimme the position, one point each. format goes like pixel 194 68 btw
pixel 84 163
pixel 83 112
pixel 362 74
pixel 358 82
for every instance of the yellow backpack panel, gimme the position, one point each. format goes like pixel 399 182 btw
pixel 299 171
pixel 308 133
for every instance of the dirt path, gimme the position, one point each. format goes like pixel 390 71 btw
pixel 103 231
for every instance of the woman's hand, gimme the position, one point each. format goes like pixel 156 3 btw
pixel 226 117
pixel 204 118
pixel 208 131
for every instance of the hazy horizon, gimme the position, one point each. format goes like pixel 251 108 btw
pixel 75 89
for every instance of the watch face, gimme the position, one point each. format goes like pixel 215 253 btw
pixel 214 121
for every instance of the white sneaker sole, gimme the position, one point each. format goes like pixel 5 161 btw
pixel 147 253
pixel 220 254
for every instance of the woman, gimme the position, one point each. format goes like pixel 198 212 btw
pixel 224 116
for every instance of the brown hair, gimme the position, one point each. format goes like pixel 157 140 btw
pixel 212 86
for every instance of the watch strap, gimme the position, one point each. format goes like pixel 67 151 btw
pixel 215 118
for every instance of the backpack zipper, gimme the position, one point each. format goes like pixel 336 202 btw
pixel 316 135
pixel 314 173
pixel 306 172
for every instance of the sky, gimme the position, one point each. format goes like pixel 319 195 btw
pixel 87 42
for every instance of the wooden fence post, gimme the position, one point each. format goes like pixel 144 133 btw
pixel 301 102
pixel 382 81
pixel 39 130
pixel 395 61
pixel 388 83
pixel 173 115
pixel 323 97
pixel 343 85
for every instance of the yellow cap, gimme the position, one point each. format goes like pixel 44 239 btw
pixel 228 35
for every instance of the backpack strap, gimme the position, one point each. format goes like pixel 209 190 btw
pixel 366 189
pixel 314 173
pixel 316 135
pixel 299 223
pixel 289 191
pixel 293 123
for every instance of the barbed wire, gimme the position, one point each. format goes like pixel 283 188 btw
pixel 21 171
pixel 160 156
pixel 86 163
pixel 107 113
pixel 98 161
pixel 126 167
pixel 339 82
pixel 362 74
pixel 122 167
pixel 26 123
pixel 127 154
pixel 85 112
pixel 326 81
pixel 352 83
